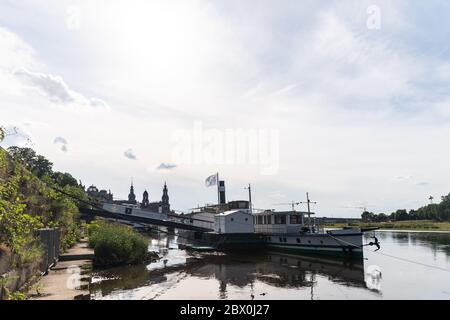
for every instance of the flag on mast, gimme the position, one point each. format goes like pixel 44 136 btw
pixel 212 180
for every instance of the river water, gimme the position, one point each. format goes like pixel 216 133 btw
pixel 410 265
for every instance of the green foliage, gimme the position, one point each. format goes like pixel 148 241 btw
pixel 116 244
pixel 18 295
pixel 72 236
pixel 92 228
pixel 64 179
pixel 436 212
pixel 2 134
pixel 27 202
pixel 16 227
pixel 37 164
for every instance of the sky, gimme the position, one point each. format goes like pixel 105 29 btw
pixel 346 100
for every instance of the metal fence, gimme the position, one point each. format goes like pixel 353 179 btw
pixel 50 240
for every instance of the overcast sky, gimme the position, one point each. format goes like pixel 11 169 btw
pixel 350 99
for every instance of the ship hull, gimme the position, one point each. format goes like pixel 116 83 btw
pixel 344 245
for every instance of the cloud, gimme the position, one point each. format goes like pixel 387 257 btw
pixel 62 142
pixel 56 90
pixel 14 52
pixel 166 166
pixel 422 184
pixel 345 98
pixel 403 178
pixel 130 154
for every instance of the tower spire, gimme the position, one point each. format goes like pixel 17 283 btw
pixel 165 196
pixel 131 195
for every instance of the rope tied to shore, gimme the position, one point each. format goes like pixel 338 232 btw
pixel 392 256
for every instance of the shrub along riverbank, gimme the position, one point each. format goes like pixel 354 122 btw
pixel 116 244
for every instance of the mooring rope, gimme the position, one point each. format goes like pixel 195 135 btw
pixel 394 257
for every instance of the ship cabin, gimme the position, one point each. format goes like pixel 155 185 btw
pixel 282 222
pixel 204 216
pixel 234 221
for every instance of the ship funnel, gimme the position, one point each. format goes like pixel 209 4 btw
pixel 222 198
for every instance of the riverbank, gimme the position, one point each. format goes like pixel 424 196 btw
pixel 419 225
pixel 67 280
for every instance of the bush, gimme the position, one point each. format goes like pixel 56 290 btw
pixel 71 237
pixel 116 244
pixel 92 228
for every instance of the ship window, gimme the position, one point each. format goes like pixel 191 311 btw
pixel 280 219
pixel 281 240
pixel 309 241
pixel 269 219
pixel 321 241
pixel 246 219
pixel 295 219
pixel 265 220
pixel 298 240
pixel 284 239
pixel 232 219
pixel 292 219
pixel 259 219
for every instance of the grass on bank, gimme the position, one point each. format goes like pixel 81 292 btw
pixel 116 244
pixel 419 225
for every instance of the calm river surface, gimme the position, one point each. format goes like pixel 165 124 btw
pixel 189 275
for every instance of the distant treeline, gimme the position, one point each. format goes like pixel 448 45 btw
pixel 436 212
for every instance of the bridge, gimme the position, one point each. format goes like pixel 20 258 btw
pixel 90 213
pixel 172 221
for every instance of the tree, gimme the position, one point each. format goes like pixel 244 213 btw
pixel 64 179
pixel 37 164
pixel 401 215
pixel 42 167
pixel 382 217
pixel 367 216
pixel 26 156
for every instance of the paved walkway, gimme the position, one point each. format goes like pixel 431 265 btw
pixel 65 281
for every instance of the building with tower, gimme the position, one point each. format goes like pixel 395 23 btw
pixel 101 195
pixel 131 195
pixel 145 200
pixel 162 206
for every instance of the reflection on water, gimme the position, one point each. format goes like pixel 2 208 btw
pixel 271 275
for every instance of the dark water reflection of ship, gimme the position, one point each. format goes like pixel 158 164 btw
pixel 274 269
pixel 282 271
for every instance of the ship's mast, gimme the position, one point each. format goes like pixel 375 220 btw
pixel 308 202
pixel 250 198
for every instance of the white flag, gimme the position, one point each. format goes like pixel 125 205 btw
pixel 211 180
